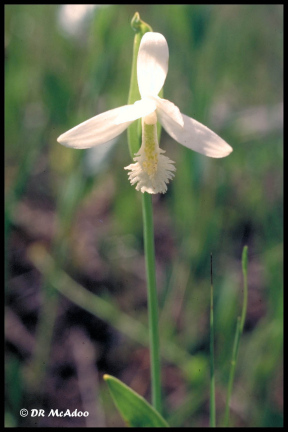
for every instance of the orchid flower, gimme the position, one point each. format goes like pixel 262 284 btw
pixel 151 171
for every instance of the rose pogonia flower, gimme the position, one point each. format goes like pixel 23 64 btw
pixel 151 171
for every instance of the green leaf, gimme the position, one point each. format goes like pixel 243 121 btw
pixel 134 409
pixel 245 260
pixel 134 130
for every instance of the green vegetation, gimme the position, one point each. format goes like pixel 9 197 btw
pixel 78 207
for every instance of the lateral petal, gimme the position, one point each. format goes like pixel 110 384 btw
pixel 167 110
pixel 195 136
pixel 133 112
pixel 152 63
pixel 97 130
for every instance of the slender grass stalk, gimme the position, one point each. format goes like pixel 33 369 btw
pixel 245 286
pixel 134 135
pixel 232 373
pixel 239 330
pixel 44 334
pixel 212 376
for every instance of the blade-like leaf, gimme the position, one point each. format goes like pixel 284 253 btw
pixel 134 409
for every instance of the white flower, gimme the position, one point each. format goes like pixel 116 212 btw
pixel 152 170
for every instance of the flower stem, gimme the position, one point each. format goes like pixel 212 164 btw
pixel 148 230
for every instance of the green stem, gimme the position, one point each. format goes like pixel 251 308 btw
pixel 239 330
pixel 212 377
pixel 148 229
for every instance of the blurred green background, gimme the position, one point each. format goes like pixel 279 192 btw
pixel 75 271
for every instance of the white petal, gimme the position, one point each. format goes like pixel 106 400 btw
pixel 97 130
pixel 194 135
pixel 169 111
pixel 133 112
pixel 152 63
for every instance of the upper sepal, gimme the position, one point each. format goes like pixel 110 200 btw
pixel 152 63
